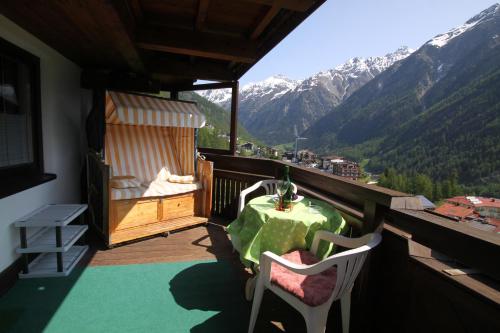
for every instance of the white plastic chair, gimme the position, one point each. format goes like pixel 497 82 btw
pixel 269 186
pixel 348 265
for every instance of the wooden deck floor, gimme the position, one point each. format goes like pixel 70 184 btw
pixel 200 243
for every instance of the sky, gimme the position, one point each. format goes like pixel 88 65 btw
pixel 343 29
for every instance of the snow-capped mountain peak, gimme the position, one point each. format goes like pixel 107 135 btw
pixel 443 39
pixel 358 69
pixel 341 81
pixel 271 88
pixel 274 85
pixel 217 96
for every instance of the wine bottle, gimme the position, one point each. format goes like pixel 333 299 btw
pixel 287 197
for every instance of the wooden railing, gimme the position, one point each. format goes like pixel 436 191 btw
pixel 227 188
pixel 360 204
pixel 396 268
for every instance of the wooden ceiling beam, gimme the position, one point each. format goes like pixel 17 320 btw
pixel 197 44
pixel 201 69
pixel 125 22
pixel 197 87
pixel 294 5
pixel 98 79
pixel 136 9
pixel 271 13
pixel 201 16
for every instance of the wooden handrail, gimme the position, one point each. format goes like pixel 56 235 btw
pixel 474 248
pixel 350 191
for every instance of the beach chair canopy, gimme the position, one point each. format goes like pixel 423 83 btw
pixel 141 110
pixel 145 134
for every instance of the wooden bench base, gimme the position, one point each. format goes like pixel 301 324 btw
pixel 156 228
pixel 136 218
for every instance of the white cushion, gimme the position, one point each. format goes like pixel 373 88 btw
pixel 154 189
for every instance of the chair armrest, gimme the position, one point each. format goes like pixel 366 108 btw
pixel 339 240
pixel 243 194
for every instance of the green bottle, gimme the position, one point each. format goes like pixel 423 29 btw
pixel 287 198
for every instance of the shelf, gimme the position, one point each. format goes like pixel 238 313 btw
pixel 45 240
pixel 45 265
pixel 51 216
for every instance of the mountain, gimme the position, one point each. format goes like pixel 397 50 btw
pixel 435 112
pixel 218 123
pixel 275 109
pixel 252 95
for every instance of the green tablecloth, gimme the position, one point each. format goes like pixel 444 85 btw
pixel 260 228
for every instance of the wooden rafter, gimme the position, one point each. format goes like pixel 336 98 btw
pixel 271 13
pixel 126 22
pixel 201 16
pixel 197 87
pixel 136 8
pixel 202 69
pixel 295 5
pixel 197 44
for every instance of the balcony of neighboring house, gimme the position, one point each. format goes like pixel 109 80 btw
pixel 182 273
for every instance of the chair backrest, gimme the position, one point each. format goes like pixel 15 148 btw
pixel 270 186
pixel 351 263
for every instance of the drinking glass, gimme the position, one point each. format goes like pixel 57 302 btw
pixel 281 188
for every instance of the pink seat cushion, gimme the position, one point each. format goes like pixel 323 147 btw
pixel 313 290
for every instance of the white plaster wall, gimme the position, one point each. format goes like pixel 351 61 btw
pixel 64 109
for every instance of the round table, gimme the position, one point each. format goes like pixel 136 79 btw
pixel 261 227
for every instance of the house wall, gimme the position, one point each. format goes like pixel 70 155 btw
pixel 64 109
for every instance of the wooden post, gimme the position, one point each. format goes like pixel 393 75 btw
pixel 174 95
pixel 234 117
pixel 363 294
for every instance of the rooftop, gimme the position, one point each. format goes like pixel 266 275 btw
pixel 453 210
pixel 475 201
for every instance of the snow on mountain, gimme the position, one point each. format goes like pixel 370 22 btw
pixel 217 96
pixel 443 39
pixel 276 85
pixel 270 88
pixel 337 80
pixel 358 69
pixel 271 109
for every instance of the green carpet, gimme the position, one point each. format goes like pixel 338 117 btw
pixel 201 296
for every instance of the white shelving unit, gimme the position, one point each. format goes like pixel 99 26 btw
pixel 54 239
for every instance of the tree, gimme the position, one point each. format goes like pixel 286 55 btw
pixel 423 185
pixel 437 193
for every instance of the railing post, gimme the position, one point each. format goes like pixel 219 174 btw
pixel 373 216
pixel 363 295
pixel 234 117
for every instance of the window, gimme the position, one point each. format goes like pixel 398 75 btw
pixel 21 164
pixel 16 141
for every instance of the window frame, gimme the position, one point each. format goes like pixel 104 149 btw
pixel 20 177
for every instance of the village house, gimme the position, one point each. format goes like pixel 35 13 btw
pixel 348 169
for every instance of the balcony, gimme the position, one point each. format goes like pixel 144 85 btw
pixel 404 286
pixel 428 275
